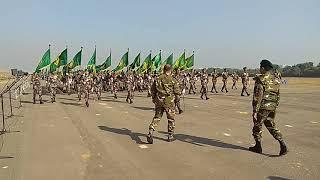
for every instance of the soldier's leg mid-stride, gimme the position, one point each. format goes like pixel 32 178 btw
pixel 156 120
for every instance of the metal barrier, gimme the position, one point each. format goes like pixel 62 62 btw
pixel 15 90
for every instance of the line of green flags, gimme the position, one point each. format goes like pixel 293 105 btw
pixel 149 64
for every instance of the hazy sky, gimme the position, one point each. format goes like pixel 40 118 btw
pixel 222 33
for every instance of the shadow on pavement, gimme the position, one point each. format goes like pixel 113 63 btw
pixel 71 103
pixel 277 178
pixel 144 108
pixel 201 141
pixel 124 131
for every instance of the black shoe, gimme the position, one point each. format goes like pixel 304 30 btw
pixel 257 148
pixel 41 102
pixel 87 104
pixel 180 111
pixel 242 95
pixel 171 138
pixel 115 96
pixel 227 91
pixel 130 102
pixel 150 138
pixel 201 97
pixel 248 94
pixel 283 149
pixel 207 98
pixel 127 100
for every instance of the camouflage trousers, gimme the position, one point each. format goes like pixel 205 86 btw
pixel 265 117
pixel 204 91
pixel 159 110
pixel 79 90
pixel 98 90
pixel 224 87
pixel 53 93
pixel 244 88
pixel 177 103
pixel 234 85
pixel 214 86
pixel 87 90
pixel 37 90
pixel 192 88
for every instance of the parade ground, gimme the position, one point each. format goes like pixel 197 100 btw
pixel 66 140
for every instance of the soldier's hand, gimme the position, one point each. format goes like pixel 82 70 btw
pixel 254 117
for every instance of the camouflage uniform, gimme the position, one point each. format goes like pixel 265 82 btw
pixel 225 81
pixel 265 102
pixel 214 81
pixel 245 82
pixel 87 86
pixel 53 87
pixel 148 81
pixel 204 85
pixel 192 82
pixel 235 78
pixel 179 81
pixel 114 84
pixel 163 92
pixel 97 86
pixel 37 89
pixel 130 87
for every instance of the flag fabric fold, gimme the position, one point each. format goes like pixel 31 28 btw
pixel 105 65
pixel 180 62
pixel 44 62
pixel 136 62
pixel 124 61
pixel 76 61
pixel 60 61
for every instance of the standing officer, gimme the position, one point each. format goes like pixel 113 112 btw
pixel 265 102
pixel 163 92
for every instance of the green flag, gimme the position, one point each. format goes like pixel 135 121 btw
pixel 190 62
pixel 135 63
pixel 45 61
pixel 91 65
pixel 156 62
pixel 76 61
pixel 60 61
pixel 124 61
pixel 105 64
pixel 146 64
pixel 169 60
pixel 180 62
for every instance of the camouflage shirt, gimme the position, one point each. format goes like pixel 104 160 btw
pixel 266 92
pixel 164 90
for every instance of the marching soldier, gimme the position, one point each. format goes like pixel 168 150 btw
pixel 214 80
pixel 245 81
pixel 37 89
pixel 235 79
pixel 53 80
pixel 204 84
pixel 87 84
pixel 163 92
pixel 130 87
pixel 265 102
pixel 179 78
pixel 114 84
pixel 97 85
pixel 192 82
pixel 225 75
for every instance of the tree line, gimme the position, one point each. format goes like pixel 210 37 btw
pixel 307 69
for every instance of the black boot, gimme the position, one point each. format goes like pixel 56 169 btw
pixel 170 137
pixel 180 111
pixel 257 148
pixel 283 148
pixel 87 103
pixel 150 138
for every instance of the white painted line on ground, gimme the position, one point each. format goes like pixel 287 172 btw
pixel 103 104
pixel 241 112
pixel 126 112
pixel 143 146
pixel 314 122
pixel 98 114
pixel 287 125
pixel 5 167
pixel 195 106
pixel 226 134
pixel 100 165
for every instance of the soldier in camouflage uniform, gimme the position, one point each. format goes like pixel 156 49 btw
pixel 37 89
pixel 148 81
pixel 114 85
pixel 192 82
pixel 265 102
pixel 87 87
pixel 214 80
pixel 97 85
pixel 225 75
pixel 204 84
pixel 130 87
pixel 245 81
pixel 164 90
pixel 79 85
pixel 53 83
pixel 179 78
pixel 235 79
